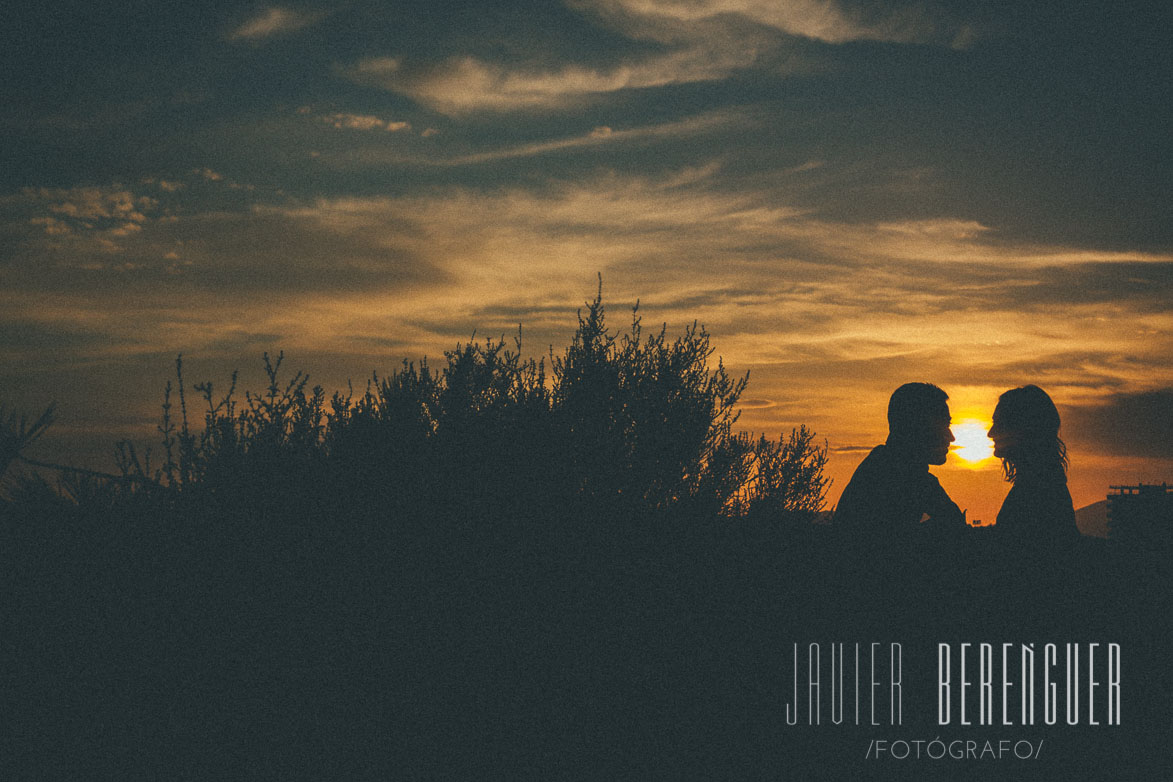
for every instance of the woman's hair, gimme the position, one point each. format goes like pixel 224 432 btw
pixel 1031 416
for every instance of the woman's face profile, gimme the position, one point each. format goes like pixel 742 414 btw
pixel 1002 436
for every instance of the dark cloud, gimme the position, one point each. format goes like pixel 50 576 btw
pixel 1136 284
pixel 1138 424
pixel 240 253
pixel 282 253
pixel 1139 286
pixel 28 343
pixel 236 341
pixel 852 448
pixel 526 312
pixel 379 343
pixel 1083 369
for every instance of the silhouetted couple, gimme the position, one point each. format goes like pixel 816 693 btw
pixel 893 497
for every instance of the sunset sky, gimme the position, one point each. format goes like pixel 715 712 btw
pixel 848 196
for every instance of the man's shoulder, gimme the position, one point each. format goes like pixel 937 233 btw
pixel 871 475
pixel 877 457
pixel 875 490
pixel 884 470
pixel 881 460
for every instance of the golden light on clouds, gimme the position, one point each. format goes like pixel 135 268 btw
pixel 972 446
pixel 829 316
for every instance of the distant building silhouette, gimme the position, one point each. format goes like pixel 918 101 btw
pixel 1141 515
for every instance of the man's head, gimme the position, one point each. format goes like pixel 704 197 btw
pixel 918 422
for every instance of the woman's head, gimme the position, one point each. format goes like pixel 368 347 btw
pixel 1026 433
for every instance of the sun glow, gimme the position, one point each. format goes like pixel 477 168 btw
pixel 971 444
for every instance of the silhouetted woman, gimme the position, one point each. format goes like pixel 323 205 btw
pixel 1038 508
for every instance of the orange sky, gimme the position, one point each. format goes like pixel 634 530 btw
pixel 116 392
pixel 849 196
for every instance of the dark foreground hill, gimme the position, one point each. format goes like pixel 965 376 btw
pixel 1093 519
pixel 291 643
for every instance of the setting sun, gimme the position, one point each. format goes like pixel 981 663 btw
pixel 971 444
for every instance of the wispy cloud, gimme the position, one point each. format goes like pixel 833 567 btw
pixel 370 153
pixel 680 239
pixel 465 84
pixel 596 137
pixel 699 41
pixel 1127 424
pixel 829 21
pixel 783 284
pixel 364 122
pixel 273 21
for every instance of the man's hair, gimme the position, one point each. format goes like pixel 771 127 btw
pixel 913 405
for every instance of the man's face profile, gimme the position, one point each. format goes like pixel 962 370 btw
pixel 938 438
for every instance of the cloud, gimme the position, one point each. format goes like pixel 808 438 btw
pixel 1126 424
pixel 783 286
pixel 81 224
pixel 23 339
pixel 465 84
pixel 273 21
pixel 109 226
pixel 822 20
pixel 291 250
pixel 52 226
pixel 1140 282
pixel 111 240
pixel 695 41
pixel 365 157
pixel 602 135
pixel 817 308
pixel 89 204
pixel 810 165
pixel 677 237
pixel 167 186
pixel 364 122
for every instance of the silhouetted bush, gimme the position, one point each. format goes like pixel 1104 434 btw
pixel 619 426
pixel 17 434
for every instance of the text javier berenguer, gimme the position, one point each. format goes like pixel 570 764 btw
pixel 977 684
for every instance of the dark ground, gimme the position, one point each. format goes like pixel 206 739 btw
pixel 306 643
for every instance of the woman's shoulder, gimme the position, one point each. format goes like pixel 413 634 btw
pixel 1036 506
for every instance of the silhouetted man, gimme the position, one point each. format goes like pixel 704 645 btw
pixel 892 490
